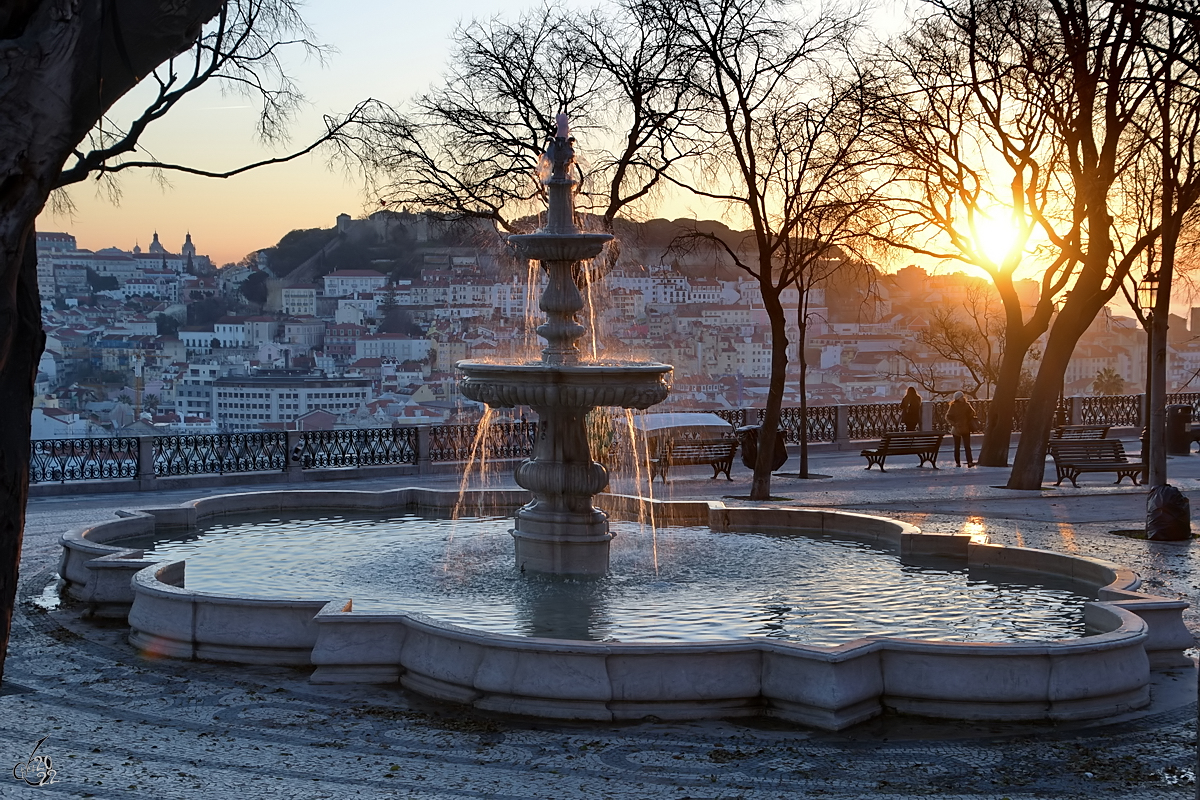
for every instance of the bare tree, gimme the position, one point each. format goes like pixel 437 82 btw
pixel 766 128
pixel 65 67
pixel 1171 201
pixel 1117 61
pixel 971 337
pixel 1059 94
pixel 973 154
pixel 470 148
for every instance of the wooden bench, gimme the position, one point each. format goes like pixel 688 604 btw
pixel 1080 432
pixel 1073 457
pixel 717 453
pixel 922 444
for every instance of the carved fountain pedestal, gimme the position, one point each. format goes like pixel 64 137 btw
pixel 560 531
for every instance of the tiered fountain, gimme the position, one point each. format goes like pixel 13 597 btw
pixel 560 530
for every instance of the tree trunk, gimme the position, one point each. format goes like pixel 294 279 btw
pixel 1029 464
pixel 760 487
pixel 65 64
pixel 22 343
pixel 997 434
pixel 803 401
pixel 1156 395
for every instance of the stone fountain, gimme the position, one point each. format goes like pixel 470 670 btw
pixel 560 530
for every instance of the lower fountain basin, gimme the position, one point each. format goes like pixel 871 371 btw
pixel 827 686
pixel 575 386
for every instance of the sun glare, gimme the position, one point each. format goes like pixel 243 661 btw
pixel 994 234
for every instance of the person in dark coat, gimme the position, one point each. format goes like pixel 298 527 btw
pixel 960 416
pixel 910 410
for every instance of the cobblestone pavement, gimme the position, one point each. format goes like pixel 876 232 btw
pixel 119 725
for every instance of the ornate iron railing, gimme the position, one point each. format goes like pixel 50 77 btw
pixel 1124 409
pixel 218 453
pixel 502 440
pixel 358 447
pixel 734 416
pixel 822 423
pixel 872 420
pixel 1019 407
pixel 1189 398
pixel 510 439
pixel 451 442
pixel 61 460
pixel 65 460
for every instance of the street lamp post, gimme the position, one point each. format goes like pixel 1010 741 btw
pixel 1147 296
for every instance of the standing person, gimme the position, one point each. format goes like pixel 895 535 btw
pixel 910 409
pixel 960 416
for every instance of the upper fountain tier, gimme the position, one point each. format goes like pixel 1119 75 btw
pixel 559 380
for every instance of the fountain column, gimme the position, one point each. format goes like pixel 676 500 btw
pixel 560 531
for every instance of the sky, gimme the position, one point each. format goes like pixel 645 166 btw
pixel 385 49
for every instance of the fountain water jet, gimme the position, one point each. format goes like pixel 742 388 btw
pixel 560 530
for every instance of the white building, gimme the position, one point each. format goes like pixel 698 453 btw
pixel 246 402
pixel 346 282
pixel 392 345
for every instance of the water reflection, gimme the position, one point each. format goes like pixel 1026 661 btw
pixel 681 584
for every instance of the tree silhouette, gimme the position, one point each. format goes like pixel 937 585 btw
pixel 1108 382
pixel 65 66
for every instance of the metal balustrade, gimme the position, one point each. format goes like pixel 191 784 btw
pixel 872 420
pixel 1188 398
pixel 356 447
pixel 822 424
pixel 502 440
pixel 64 460
pixel 218 453
pixel 1123 409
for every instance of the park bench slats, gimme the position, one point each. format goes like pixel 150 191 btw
pixel 1073 457
pixel 922 444
pixel 717 453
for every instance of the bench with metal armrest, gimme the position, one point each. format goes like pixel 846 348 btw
pixel 1074 457
pixel 717 453
pixel 923 444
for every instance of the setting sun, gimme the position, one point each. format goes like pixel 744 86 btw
pixel 994 233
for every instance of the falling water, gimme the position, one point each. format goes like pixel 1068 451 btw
pixel 593 331
pixel 533 315
pixel 645 501
pixel 478 455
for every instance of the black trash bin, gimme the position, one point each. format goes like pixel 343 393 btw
pixel 747 436
pixel 1168 515
pixel 1179 418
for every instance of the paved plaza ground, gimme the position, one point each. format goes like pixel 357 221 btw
pixel 120 725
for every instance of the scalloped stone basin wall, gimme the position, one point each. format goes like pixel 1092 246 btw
pixel 828 687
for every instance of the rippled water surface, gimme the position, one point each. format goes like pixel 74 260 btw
pixel 684 584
